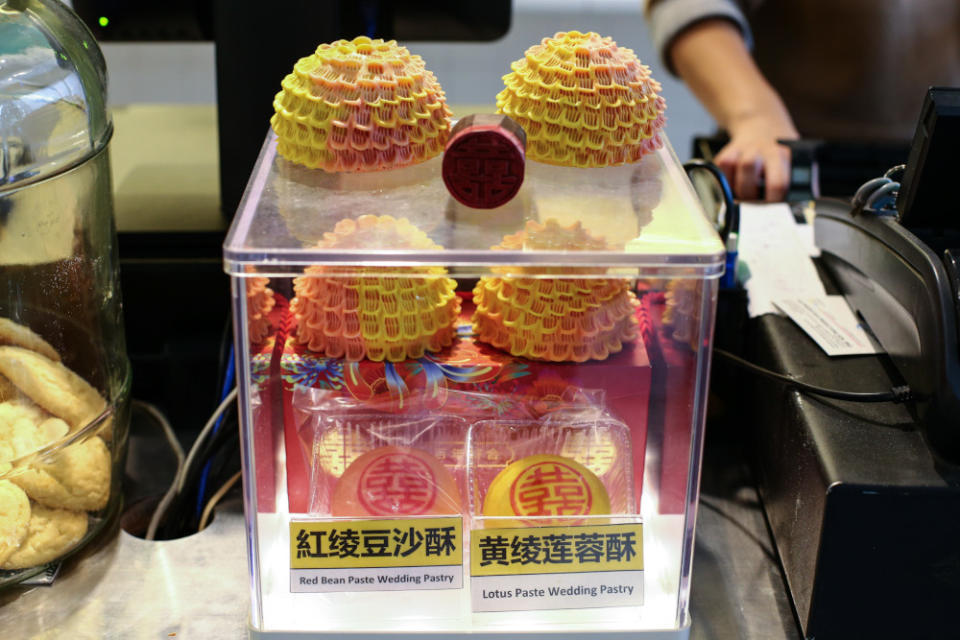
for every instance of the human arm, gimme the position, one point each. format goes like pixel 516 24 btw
pixel 712 58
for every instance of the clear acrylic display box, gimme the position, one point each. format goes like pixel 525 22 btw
pixel 632 412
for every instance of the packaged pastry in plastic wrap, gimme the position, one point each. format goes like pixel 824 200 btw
pixel 567 468
pixel 365 464
pixel 470 379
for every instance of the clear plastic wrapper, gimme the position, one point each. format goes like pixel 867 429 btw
pixel 562 469
pixel 368 465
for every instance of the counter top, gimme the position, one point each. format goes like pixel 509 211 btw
pixel 197 587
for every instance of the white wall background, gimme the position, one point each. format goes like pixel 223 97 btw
pixel 469 73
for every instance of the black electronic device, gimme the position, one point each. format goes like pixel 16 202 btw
pixel 863 514
pixel 903 291
pixel 898 278
pixel 863 500
pixel 927 198
pixel 822 168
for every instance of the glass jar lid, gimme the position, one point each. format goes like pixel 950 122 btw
pixel 53 92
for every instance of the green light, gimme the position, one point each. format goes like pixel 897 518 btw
pixel 104 21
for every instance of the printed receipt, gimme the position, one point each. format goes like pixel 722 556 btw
pixel 831 324
pixel 775 254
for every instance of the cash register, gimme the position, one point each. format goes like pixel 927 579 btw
pixel 863 499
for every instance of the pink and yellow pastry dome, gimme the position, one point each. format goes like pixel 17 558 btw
pixel 681 314
pixel 584 102
pixel 573 317
pixel 260 303
pixel 360 105
pixel 375 313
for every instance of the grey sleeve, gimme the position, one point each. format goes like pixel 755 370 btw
pixel 667 18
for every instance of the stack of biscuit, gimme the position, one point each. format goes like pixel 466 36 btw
pixel 45 500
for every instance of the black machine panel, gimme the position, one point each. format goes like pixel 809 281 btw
pixel 192 20
pixel 898 267
pixel 927 198
pixel 903 292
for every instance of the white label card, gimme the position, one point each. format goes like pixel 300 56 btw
pixel 829 321
pixel 557 591
pixel 376 579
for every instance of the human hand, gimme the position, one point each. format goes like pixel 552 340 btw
pixel 753 154
pixel 712 57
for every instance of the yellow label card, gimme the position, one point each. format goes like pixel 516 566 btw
pixel 570 549
pixel 352 544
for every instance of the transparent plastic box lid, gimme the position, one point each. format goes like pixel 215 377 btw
pixel 646 212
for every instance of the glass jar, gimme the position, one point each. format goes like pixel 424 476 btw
pixel 64 372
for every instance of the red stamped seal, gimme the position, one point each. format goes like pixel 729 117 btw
pixel 395 481
pixel 484 160
pixel 551 489
pixel 541 487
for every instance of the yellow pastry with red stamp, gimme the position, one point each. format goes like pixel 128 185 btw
pixel 545 488
pixel 396 481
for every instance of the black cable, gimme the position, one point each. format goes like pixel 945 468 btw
pixel 731 222
pixel 226 340
pixel 898 394
pixel 181 518
pixel 223 463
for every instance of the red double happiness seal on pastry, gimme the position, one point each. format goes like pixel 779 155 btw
pixel 541 487
pixel 551 488
pixel 395 481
